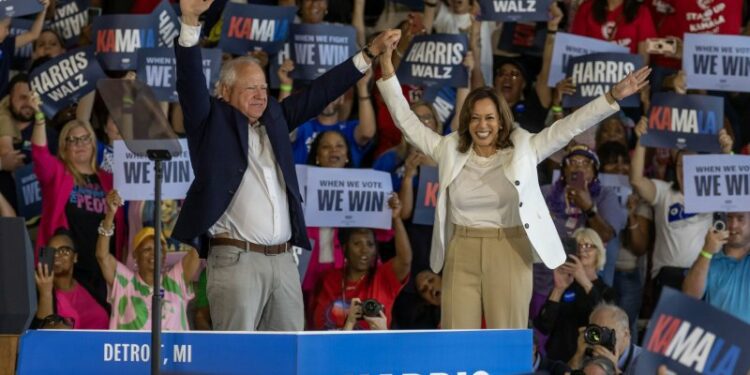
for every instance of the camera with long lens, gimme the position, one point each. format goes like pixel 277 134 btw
pixel 371 307
pixel 597 335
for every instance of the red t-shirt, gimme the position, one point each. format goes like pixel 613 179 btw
pixel 677 17
pixel 388 134
pixel 615 29
pixel 332 304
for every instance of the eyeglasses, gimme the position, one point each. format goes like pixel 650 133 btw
pixel 64 251
pixel 579 162
pixel 79 141
pixel 586 246
pixel 54 319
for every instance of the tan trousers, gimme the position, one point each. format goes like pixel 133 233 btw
pixel 487 274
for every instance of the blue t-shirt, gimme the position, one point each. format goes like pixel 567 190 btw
pixel 728 285
pixel 306 134
pixel 391 163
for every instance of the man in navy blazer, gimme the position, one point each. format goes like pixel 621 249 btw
pixel 245 201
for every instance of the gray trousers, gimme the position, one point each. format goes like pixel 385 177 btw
pixel 249 291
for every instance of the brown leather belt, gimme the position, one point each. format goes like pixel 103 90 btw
pixel 249 246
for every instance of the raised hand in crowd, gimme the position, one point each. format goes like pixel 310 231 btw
pixel 725 141
pixel 44 278
pixel 192 9
pixel 574 266
pixel 564 87
pixel 107 262
pixel 385 42
pixel 36 27
pixel 261 56
pixel 563 278
pixel 285 80
pixel 580 198
pixel 632 83
pixel 377 323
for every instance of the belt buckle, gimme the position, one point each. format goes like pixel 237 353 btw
pixel 266 250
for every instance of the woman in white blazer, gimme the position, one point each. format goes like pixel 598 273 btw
pixel 490 211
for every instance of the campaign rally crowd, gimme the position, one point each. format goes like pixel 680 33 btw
pixel 483 258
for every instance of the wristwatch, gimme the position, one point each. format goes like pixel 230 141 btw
pixel 367 52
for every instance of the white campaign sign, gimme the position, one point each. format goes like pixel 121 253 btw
pixel 717 62
pixel 134 175
pixel 716 183
pixel 569 45
pixel 340 197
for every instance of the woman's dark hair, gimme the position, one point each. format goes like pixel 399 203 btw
pixel 608 153
pixel 671 172
pixel 313 154
pixel 630 10
pixel 503 111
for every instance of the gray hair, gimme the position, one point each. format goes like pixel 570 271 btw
pixel 228 73
pixel 584 233
pixel 616 312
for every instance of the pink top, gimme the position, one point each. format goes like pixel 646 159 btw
pixel 88 314
pixel 57 184
pixel 130 298
pixel 314 268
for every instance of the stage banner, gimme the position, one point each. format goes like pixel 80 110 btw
pixel 61 81
pixel 317 48
pixel 22 55
pixel 119 37
pixel 18 8
pixel 169 24
pixel 249 27
pixel 716 183
pixel 342 197
pixel 689 336
pixel 523 37
pixel 71 16
pixel 514 10
pixel 717 62
pixel 427 194
pixel 157 69
pixel 28 192
pixel 443 100
pixel 134 175
pixel 465 352
pixel 685 122
pixel 594 74
pixel 570 45
pixel 617 182
pixel 435 59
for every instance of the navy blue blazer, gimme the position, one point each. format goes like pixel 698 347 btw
pixel 217 137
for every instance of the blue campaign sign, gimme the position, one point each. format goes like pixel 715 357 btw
pixel 28 192
pixel 317 48
pixel 435 59
pixel 689 336
pixel 169 24
pixel 248 27
pixel 570 45
pixel 406 352
pixel 427 194
pixel 275 62
pixel 18 8
pixel 514 10
pixel 157 69
pixel 119 37
pixel 21 58
pixel 61 81
pixel 594 74
pixel 685 122
pixel 443 100
pixel 717 62
pixel 71 16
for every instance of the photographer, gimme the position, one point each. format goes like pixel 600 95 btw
pixel 722 277
pixel 607 335
pixel 363 285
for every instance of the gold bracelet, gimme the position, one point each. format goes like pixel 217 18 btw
pixel 389 75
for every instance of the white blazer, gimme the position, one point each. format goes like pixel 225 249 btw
pixel 529 150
